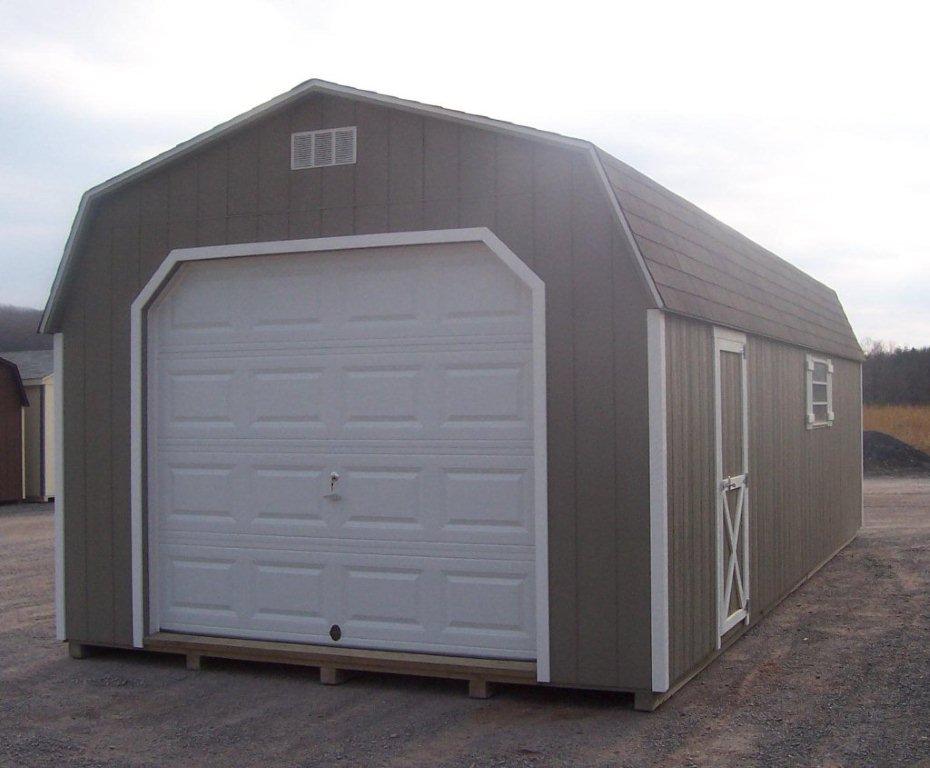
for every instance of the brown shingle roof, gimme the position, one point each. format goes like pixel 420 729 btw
pixel 705 269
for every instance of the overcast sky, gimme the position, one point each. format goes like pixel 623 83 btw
pixel 806 126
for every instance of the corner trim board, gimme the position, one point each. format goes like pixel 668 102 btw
pixel 861 454
pixel 658 498
pixel 59 368
pixel 475 235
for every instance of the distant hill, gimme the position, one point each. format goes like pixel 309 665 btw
pixel 18 329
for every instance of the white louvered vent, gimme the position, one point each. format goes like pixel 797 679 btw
pixel 319 149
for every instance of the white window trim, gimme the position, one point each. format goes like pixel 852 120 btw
pixel 477 234
pixel 810 420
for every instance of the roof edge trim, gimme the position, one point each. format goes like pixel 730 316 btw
pixel 625 226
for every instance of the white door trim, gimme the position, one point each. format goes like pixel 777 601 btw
pixel 658 497
pixel 477 234
pixel 726 340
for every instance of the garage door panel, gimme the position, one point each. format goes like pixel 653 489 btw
pixel 285 499
pixel 487 503
pixel 493 398
pixel 299 291
pixel 290 594
pixel 198 494
pixel 213 588
pixel 420 602
pixel 288 397
pixel 200 586
pixel 388 294
pixel 486 604
pixel 408 372
pixel 475 499
pixel 383 599
pixel 380 296
pixel 381 501
pixel 382 396
pixel 448 395
pixel 482 300
pixel 200 303
pixel 200 398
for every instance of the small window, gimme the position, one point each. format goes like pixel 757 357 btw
pixel 819 392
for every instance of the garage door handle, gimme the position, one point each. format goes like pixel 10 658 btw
pixel 332 495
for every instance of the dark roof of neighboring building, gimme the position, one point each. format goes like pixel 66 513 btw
pixel 691 263
pixel 705 269
pixel 17 379
pixel 33 363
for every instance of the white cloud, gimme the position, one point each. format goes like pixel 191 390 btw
pixel 802 125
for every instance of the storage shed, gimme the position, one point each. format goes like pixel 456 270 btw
pixel 13 400
pixel 36 369
pixel 361 383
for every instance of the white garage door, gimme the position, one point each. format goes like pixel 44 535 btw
pixel 407 372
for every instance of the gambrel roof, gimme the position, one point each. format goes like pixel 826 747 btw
pixel 705 269
pixel 691 263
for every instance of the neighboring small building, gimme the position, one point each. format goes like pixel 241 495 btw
pixel 12 401
pixel 36 369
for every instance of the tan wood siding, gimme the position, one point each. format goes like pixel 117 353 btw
pixel 412 173
pixel 805 485
pixel 691 501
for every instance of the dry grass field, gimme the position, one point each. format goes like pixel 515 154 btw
pixel 910 423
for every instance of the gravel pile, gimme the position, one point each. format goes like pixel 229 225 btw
pixel 886 455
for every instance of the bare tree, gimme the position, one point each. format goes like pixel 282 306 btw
pixel 895 375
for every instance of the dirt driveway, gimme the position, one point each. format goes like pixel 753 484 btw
pixel 839 675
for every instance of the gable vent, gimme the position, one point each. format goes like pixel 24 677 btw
pixel 319 149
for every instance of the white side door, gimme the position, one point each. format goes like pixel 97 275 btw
pixel 732 479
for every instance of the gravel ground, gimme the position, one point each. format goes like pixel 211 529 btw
pixel 839 675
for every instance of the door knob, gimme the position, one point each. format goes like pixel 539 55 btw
pixel 332 495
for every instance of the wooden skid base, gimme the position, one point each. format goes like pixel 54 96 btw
pixel 479 689
pixel 78 650
pixel 649 702
pixel 334 675
pixel 338 664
